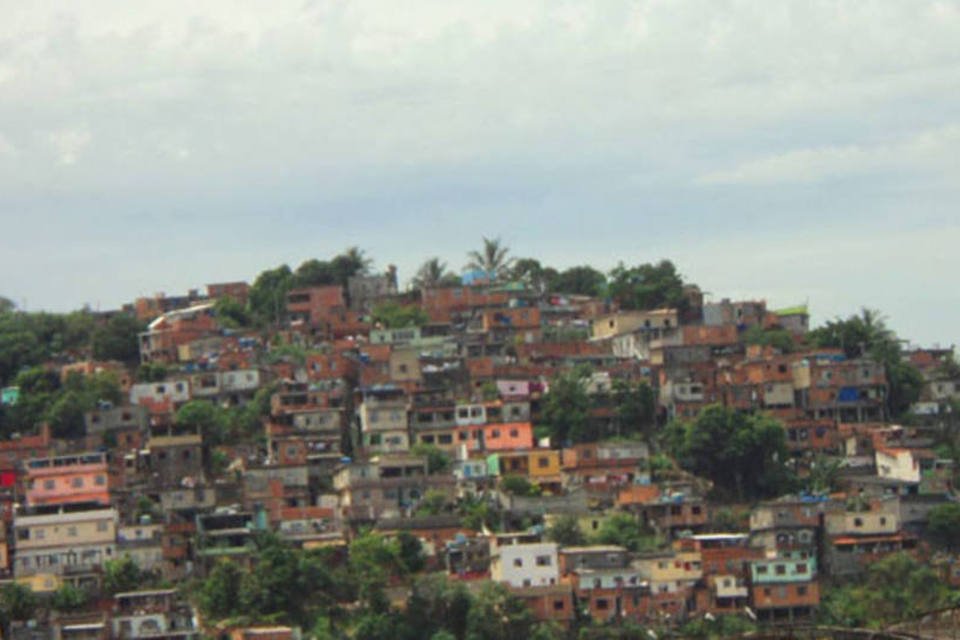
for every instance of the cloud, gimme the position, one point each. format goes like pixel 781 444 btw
pixel 924 150
pixel 68 144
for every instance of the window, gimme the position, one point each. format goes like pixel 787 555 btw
pixel 858 522
pixel 102 526
pixel 543 462
pixel 761 569
pixel 602 604
pixel 558 605
pixel 543 561
pixel 802 567
pixel 76 483
pixel 495 433
pixel 801 591
pixel 780 570
pixel 883 521
pixel 48 485
pixel 518 562
pixel 514 433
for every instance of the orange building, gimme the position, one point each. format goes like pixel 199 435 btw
pixel 67 479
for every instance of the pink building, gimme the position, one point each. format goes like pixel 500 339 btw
pixel 67 479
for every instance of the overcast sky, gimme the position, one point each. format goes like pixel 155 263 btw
pixel 793 151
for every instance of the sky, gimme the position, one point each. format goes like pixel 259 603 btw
pixel 804 151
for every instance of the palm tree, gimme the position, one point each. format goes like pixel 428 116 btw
pixel 492 259
pixel 431 273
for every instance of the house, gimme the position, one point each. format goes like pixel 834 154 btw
pixel 165 334
pixel 525 564
pixel 364 291
pixel 67 479
pixel 154 613
pixel 785 587
pixel 648 324
pixel 64 538
pixel 382 420
pixel 388 485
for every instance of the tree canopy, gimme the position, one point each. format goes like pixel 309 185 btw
pixel 743 455
pixel 493 259
pixel 647 286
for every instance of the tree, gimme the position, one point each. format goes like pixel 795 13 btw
pixel 498 614
pixel 743 455
pixel 411 553
pixel 17 603
pixel 434 273
pixel 493 259
pixel 314 273
pixel 151 372
pixel 943 526
pixel 647 286
pixel 437 460
pixel 219 594
pixel 434 502
pixel 352 262
pixel 437 606
pixel 121 574
pixel 566 532
pixel 780 339
pixel 625 530
pixel 268 295
pixel 373 560
pixel 119 339
pixel 867 335
pixel 205 417
pixel 518 486
pixel 583 280
pixel 230 313
pixel 69 598
pixel 391 315
pixel 636 406
pixel 566 408
pixel 897 588
pixel 7 305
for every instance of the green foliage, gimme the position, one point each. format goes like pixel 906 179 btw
pixel 373 560
pixel 7 305
pixel 122 574
pixel 437 606
pixel 720 627
pixel 780 339
pixel 318 273
pixel 636 406
pixel 868 335
pixel 647 286
pixel 566 531
pixel 218 596
pixel 69 598
pixel 437 460
pixel 151 372
pixel 477 513
pixel 17 602
pixel 44 399
pixel 943 526
pixel 518 486
pixel 434 273
pixel 897 588
pixel 411 552
pixel 391 315
pixel 118 339
pixel 268 295
pixel 231 314
pixel 743 455
pixel 625 530
pixel 497 614
pixel 206 418
pixel 583 280
pixel 493 258
pixel 433 502
pixel 566 408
